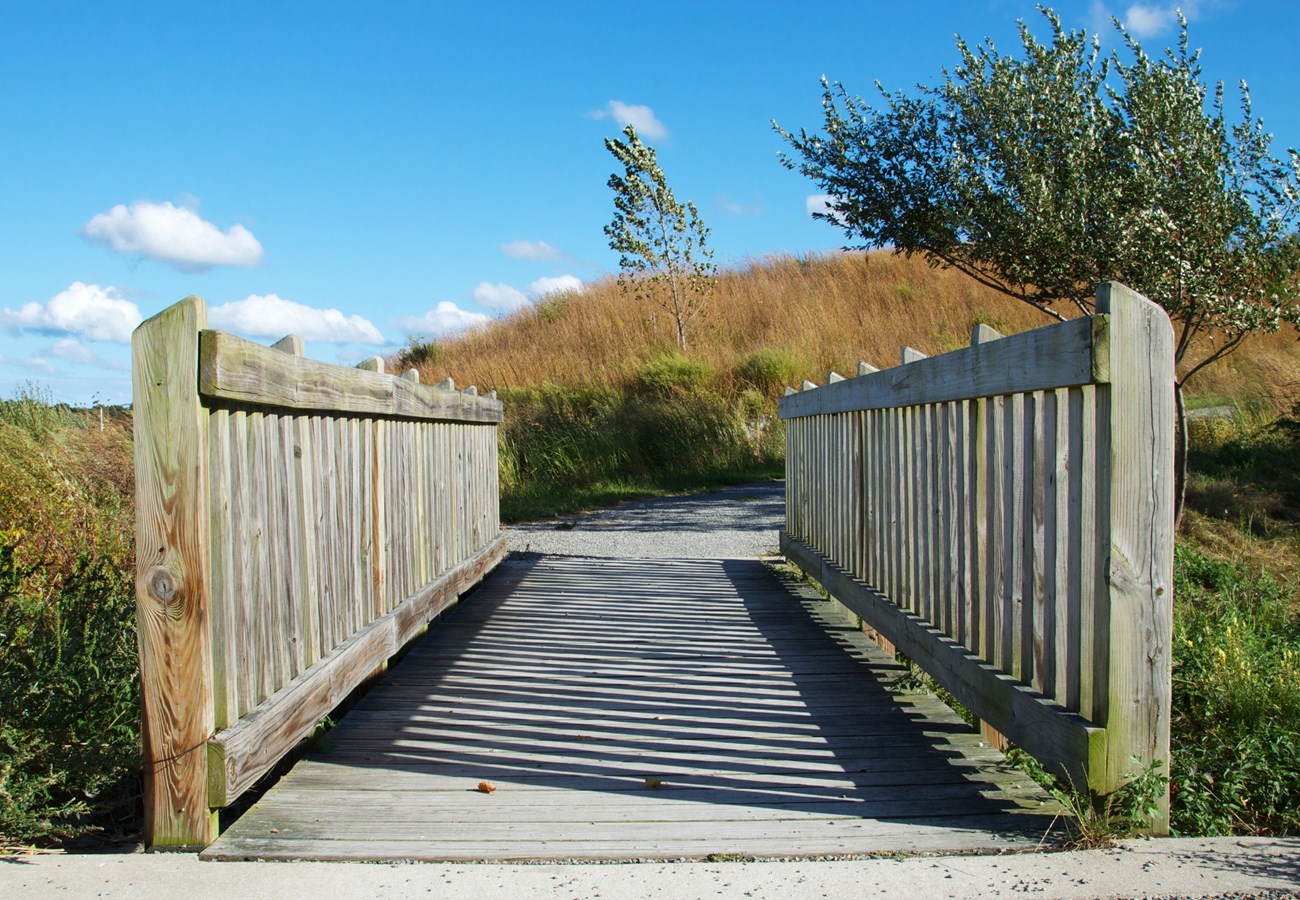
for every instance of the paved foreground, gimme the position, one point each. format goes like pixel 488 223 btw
pixel 1157 868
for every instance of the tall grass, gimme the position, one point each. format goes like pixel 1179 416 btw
pixel 821 312
pixel 69 707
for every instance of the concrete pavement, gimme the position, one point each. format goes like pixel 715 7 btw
pixel 1191 867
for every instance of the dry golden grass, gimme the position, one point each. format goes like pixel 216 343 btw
pixel 825 312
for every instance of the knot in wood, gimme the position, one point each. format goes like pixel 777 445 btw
pixel 162 584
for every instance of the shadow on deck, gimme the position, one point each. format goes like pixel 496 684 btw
pixel 642 709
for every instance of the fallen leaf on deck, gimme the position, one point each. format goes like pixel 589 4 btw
pixel 487 787
pixel 653 783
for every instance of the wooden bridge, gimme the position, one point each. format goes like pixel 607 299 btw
pixel 309 520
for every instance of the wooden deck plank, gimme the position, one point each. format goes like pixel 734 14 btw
pixel 764 725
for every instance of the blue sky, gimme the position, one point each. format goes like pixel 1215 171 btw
pixel 361 172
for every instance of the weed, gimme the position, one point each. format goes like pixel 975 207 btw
pixel 673 373
pixel 914 678
pixel 996 322
pixel 1236 725
pixel 420 354
pixel 33 410
pixel 1092 820
pixel 553 307
pixel 767 370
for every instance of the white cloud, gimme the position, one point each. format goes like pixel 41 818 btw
pixel 543 286
pixel 737 208
pixel 1144 21
pixel 71 350
pixel 818 203
pixel 499 296
pixel 533 251
pixel 272 316
pixel 821 203
pixel 174 235
pixel 87 310
pixel 444 318
pixel 642 118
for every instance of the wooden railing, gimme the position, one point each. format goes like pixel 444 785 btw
pixel 297 524
pixel 1003 515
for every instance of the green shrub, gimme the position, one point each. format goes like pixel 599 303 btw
pixel 69 702
pixel 69 707
pixel 767 370
pixel 672 374
pixel 1236 704
pixel 420 353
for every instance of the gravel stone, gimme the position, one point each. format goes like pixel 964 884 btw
pixel 733 523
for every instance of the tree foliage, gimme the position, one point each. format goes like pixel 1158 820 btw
pixel 1043 174
pixel 662 245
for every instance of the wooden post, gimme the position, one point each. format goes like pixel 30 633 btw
pixel 173 607
pixel 1138 350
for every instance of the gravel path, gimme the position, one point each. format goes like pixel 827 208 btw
pixel 732 523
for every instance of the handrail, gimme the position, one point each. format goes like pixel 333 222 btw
pixel 1003 515
pixel 297 523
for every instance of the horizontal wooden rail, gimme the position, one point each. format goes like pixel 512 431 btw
pixel 232 368
pixel 1003 515
pixel 297 522
pixel 1065 355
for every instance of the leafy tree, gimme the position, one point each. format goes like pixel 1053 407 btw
pixel 1045 174
pixel 662 248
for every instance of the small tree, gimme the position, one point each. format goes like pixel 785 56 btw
pixel 662 248
pixel 1042 176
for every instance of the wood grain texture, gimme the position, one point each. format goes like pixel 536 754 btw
pixel 173 602
pixel 1056 356
pixel 1139 571
pixel 232 368
pixel 763 720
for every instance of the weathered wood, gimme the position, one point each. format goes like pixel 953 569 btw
pixel 232 368
pixel 1139 573
pixel 291 344
pixel 999 479
pixel 295 537
pixel 172 580
pixel 808 746
pixel 1065 743
pixel 1056 356
pixel 242 753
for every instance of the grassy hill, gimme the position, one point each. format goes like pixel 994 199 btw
pixel 600 405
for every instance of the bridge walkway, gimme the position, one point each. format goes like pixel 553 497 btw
pixel 628 709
